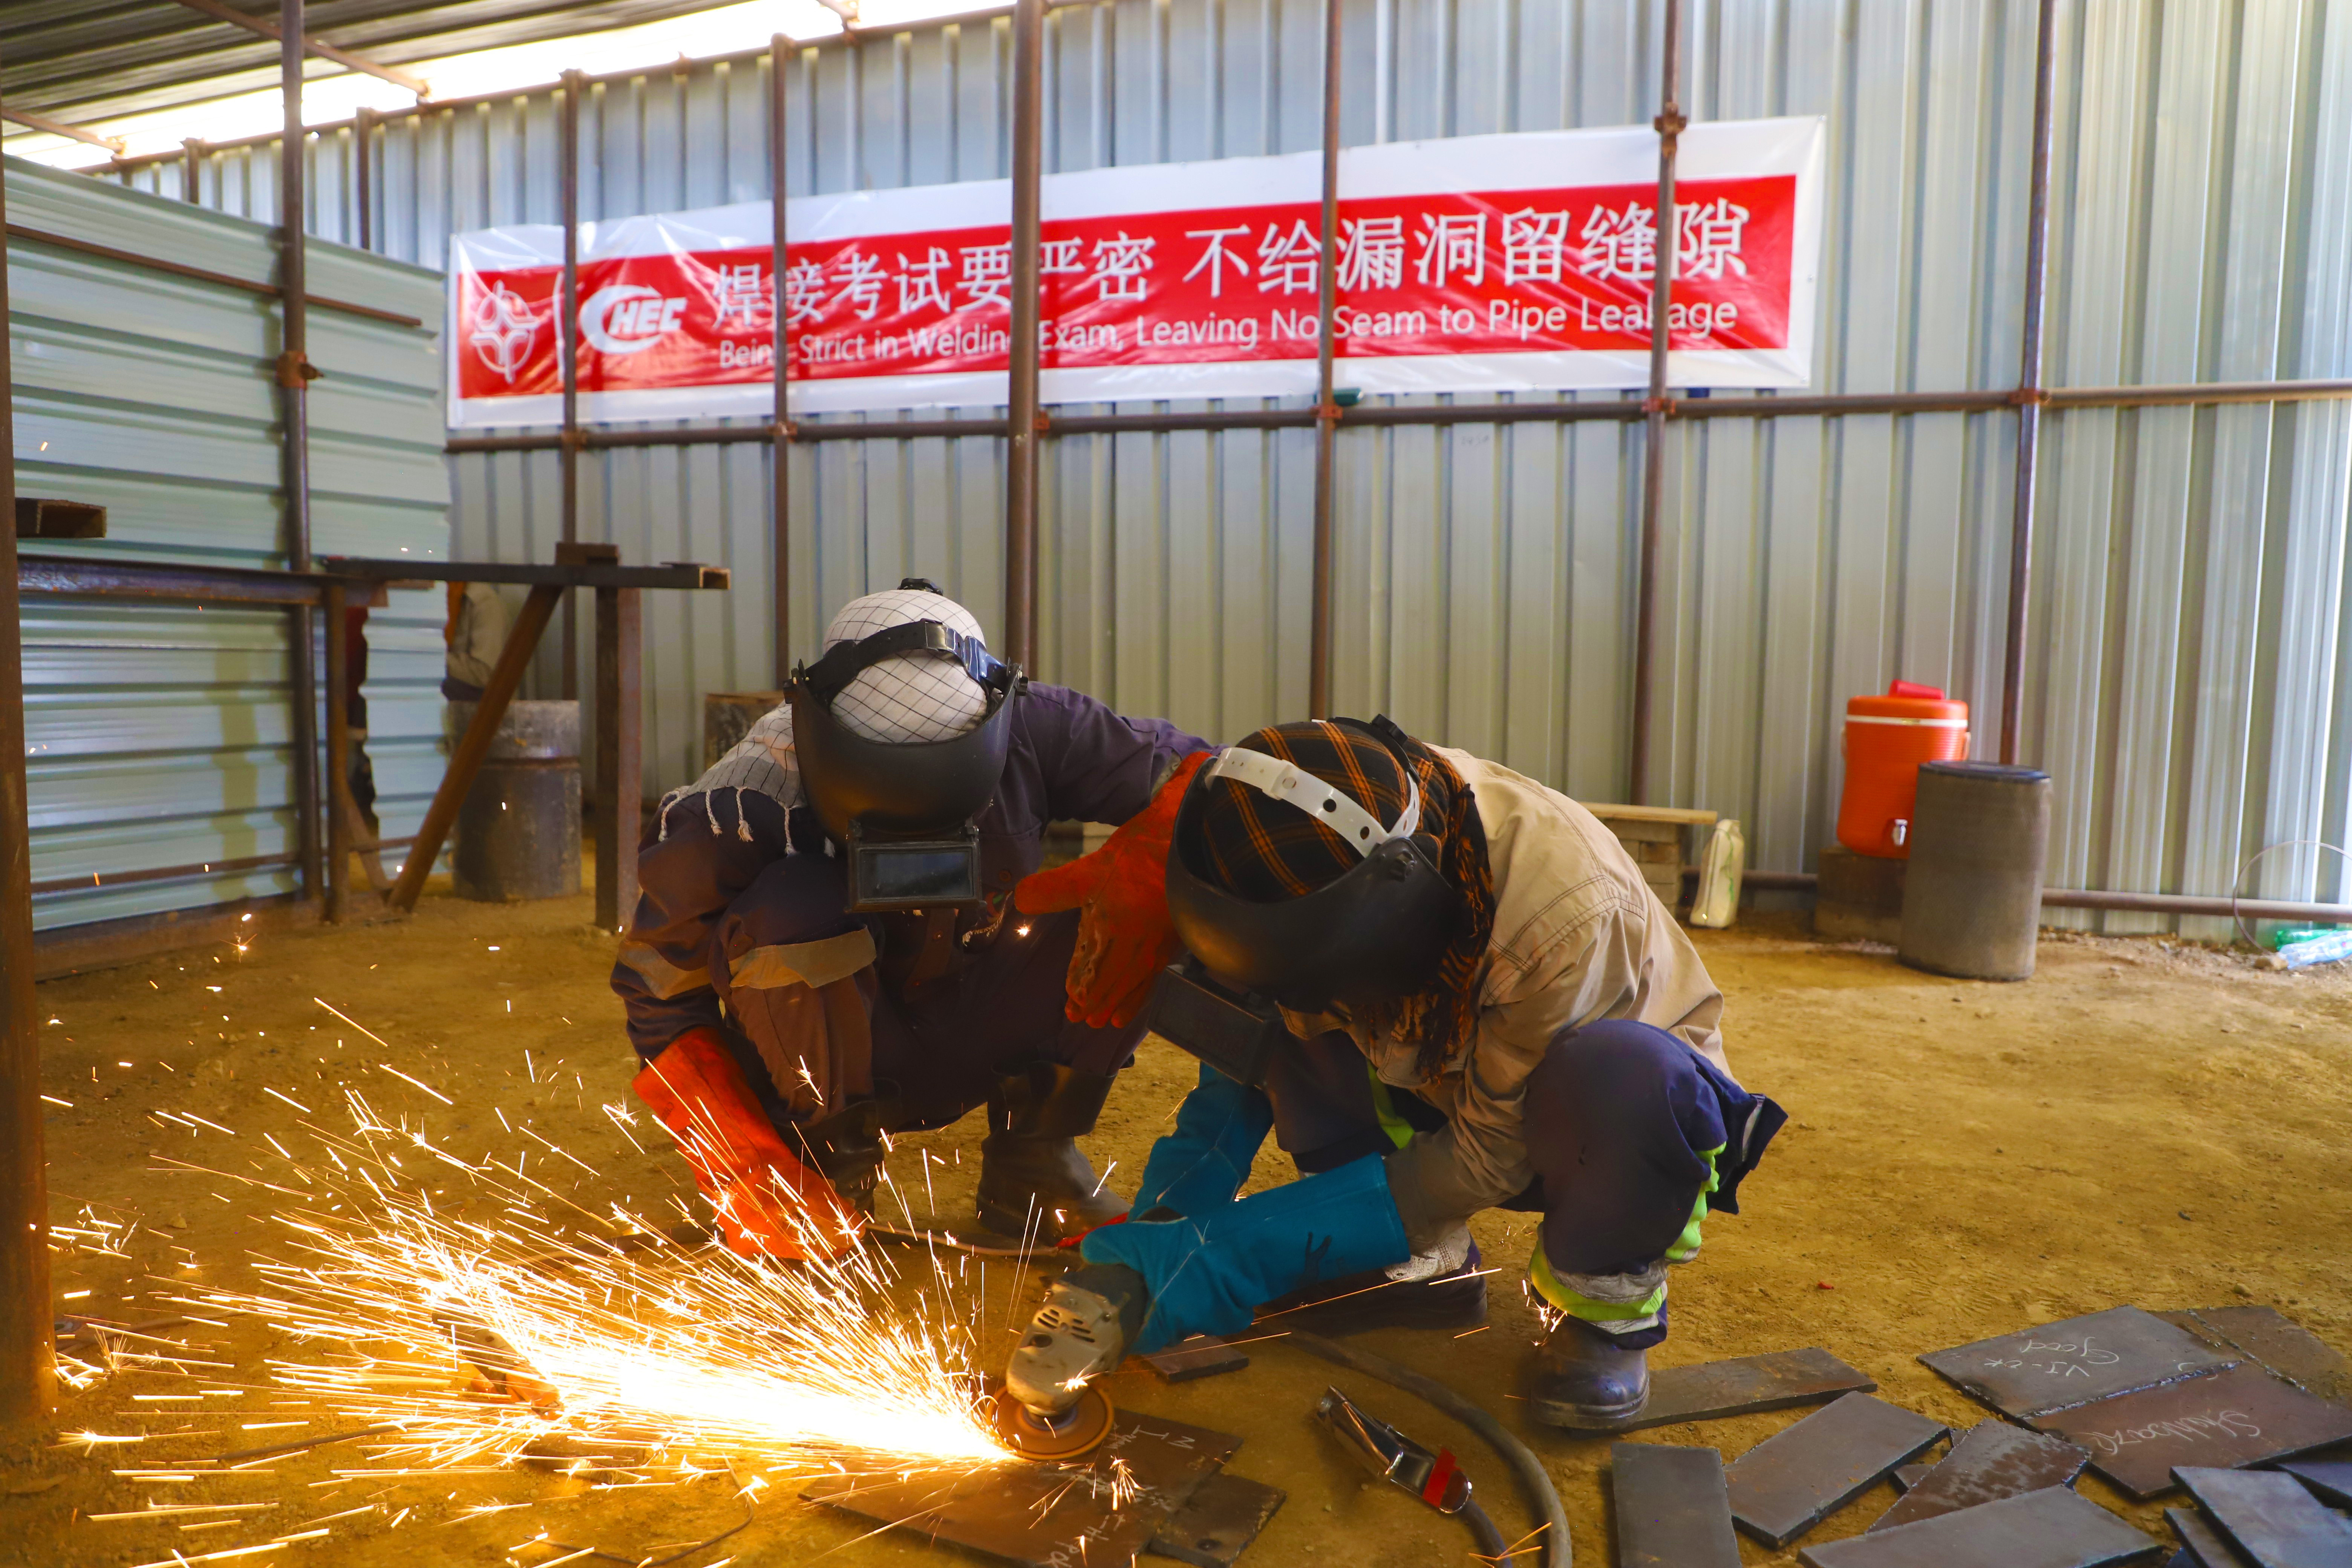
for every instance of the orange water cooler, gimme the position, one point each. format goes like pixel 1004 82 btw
pixel 1886 738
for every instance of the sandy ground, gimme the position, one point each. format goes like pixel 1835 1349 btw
pixel 2141 1122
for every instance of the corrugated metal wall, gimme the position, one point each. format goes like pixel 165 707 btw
pixel 2187 639
pixel 158 735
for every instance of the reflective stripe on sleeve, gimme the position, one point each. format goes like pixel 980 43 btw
pixel 664 979
pixel 810 964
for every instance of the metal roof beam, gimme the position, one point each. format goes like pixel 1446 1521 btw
pixel 343 57
pixel 59 128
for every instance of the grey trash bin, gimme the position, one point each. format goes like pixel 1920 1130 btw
pixel 518 831
pixel 1972 896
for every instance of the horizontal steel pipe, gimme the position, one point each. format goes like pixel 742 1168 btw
pixel 2196 391
pixel 201 275
pixel 561 574
pixel 2094 899
pixel 152 579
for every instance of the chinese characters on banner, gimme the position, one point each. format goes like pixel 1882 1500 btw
pixel 1480 264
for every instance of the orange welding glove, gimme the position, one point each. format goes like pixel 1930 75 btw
pixel 1121 892
pixel 769 1204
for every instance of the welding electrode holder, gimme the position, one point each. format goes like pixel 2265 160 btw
pixel 1394 1458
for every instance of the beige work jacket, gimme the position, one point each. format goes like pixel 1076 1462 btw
pixel 1579 936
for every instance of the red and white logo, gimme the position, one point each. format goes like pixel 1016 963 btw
pixel 628 318
pixel 503 327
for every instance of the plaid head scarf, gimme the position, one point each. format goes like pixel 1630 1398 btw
pixel 1266 850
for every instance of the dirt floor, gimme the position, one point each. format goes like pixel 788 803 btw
pixel 2143 1121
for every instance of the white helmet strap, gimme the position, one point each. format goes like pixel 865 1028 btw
pixel 1278 779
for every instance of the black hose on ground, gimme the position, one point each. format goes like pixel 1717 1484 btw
pixel 1533 1478
pixel 1491 1545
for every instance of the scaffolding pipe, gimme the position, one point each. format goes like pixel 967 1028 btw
pixel 780 543
pixel 2029 383
pixel 1021 400
pixel 1327 411
pixel 362 179
pixel 1655 407
pixel 294 376
pixel 567 318
pixel 27 1353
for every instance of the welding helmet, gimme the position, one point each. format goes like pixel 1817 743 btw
pixel 1370 935
pixel 901 730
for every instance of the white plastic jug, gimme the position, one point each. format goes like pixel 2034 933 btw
pixel 1717 903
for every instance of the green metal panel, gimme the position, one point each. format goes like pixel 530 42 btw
pixel 157 735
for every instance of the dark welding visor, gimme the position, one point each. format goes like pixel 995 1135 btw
pixel 904 811
pixel 1373 935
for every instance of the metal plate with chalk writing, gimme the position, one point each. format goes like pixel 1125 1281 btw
pixel 1792 1481
pixel 2076 1360
pixel 1744 1386
pixel 2241 1416
pixel 2054 1528
pixel 2270 1518
pixel 1049 1516
pixel 1672 1508
pixel 1990 1461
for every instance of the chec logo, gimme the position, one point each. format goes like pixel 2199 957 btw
pixel 504 326
pixel 628 318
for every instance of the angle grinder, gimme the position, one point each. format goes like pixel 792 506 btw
pixel 1052 1406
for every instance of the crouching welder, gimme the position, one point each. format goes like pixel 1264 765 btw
pixel 823 949
pixel 1443 988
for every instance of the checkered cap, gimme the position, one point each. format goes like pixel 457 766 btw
pixel 911 696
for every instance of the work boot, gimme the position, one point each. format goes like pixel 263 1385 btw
pixel 1033 1181
pixel 846 1149
pixel 1584 1377
pixel 1441 1287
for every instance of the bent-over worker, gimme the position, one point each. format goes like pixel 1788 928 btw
pixel 1485 1006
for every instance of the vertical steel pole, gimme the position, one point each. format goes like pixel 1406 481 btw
pixel 620 713
pixel 294 374
pixel 1326 412
pixel 1021 403
pixel 567 333
pixel 192 164
pixel 362 179
pixel 1670 123
pixel 339 754
pixel 2029 387
pixel 779 52
pixel 27 1355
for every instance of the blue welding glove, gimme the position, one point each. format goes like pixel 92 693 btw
pixel 1197 1169
pixel 1207 1276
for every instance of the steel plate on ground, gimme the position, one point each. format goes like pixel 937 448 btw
pixel 2241 1416
pixel 2331 1479
pixel 2270 1518
pixel 2054 1528
pixel 1224 1515
pixel 1744 1386
pixel 1044 1516
pixel 1672 1509
pixel 2203 1545
pixel 1990 1461
pixel 1195 1356
pixel 2283 1348
pixel 2076 1359
pixel 1793 1479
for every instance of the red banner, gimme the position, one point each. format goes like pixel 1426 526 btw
pixel 1484 288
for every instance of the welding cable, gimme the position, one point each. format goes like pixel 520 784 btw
pixel 1491 1545
pixel 1533 1478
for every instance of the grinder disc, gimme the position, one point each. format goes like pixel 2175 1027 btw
pixel 1078 1430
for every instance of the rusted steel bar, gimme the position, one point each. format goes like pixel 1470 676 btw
pixel 2196 391
pixel 324 50
pixel 567 355
pixel 364 178
pixel 780 537
pixel 581 570
pixel 202 275
pixel 163 873
pixel 523 641
pixel 1327 411
pixel 2028 381
pixel 27 1351
pixel 191 185
pixel 294 376
pixel 1669 123
pixel 620 752
pixel 1021 401
pixel 339 756
pixel 59 128
pixel 112 579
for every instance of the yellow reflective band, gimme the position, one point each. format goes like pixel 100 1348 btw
pixel 1576 1304
pixel 1687 1244
pixel 1399 1130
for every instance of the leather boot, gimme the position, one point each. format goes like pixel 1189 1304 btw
pixel 1033 1180
pixel 847 1146
pixel 1584 1378
pixel 1444 1287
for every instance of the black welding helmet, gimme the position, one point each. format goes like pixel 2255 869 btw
pixel 1373 935
pixel 897 763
